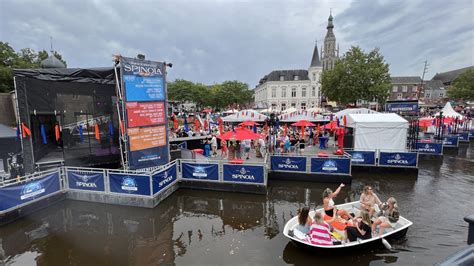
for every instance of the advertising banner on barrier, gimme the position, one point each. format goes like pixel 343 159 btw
pixel 145 114
pixel 283 163
pixel 398 159
pixel 451 141
pixel 86 180
pixel 244 173
pixel 429 148
pixel 340 166
pixel 144 80
pixel 201 171
pixel 362 157
pixel 18 194
pixel 464 137
pixel 163 178
pixel 129 184
pixel 471 134
pixel 402 107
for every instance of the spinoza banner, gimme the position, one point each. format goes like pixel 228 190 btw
pixel 163 178
pixel 129 184
pixel 18 194
pixel 451 141
pixel 336 166
pixel 429 148
pixel 240 173
pixel 464 137
pixel 143 80
pixel 200 171
pixel 86 180
pixel 293 164
pixel 398 159
pixel 362 157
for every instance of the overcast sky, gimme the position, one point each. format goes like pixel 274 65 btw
pixel 213 41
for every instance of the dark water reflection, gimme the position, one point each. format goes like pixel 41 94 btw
pixel 213 228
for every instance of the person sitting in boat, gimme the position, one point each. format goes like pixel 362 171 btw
pixel 328 203
pixel 390 216
pixel 368 200
pixel 361 229
pixel 304 221
pixel 319 233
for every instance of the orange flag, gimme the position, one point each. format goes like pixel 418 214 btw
pixel 97 132
pixel 25 130
pixel 56 132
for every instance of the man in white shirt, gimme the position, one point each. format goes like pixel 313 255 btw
pixel 247 145
pixel 214 145
pixel 262 145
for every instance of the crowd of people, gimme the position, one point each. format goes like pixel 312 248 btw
pixel 333 226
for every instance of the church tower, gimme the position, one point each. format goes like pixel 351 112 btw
pixel 329 53
pixel 314 74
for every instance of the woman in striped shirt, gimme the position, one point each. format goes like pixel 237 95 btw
pixel 319 233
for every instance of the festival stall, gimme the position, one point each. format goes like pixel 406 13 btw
pixel 303 115
pixel 383 131
pixel 245 115
pixel 448 111
pixel 348 111
pixel 10 145
pixel 289 110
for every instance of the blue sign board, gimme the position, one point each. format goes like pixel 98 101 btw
pixel 362 157
pixel 200 171
pixel 401 107
pixel 451 141
pixel 244 173
pixel 284 163
pixel 471 134
pixel 429 148
pixel 129 184
pixel 144 80
pixel 86 180
pixel 323 165
pixel 398 159
pixel 151 157
pixel 464 137
pixel 163 178
pixel 18 194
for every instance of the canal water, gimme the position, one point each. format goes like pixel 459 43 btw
pixel 194 227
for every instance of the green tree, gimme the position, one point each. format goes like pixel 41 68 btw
pixel 357 76
pixel 463 86
pixel 181 90
pixel 24 59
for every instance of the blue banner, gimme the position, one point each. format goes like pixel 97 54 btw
pixel 163 178
pixel 86 180
pixel 341 166
pixel 151 157
pixel 143 80
pixel 471 134
pixel 200 171
pixel 451 141
pixel 401 107
pixel 284 163
pixel 464 137
pixel 244 173
pixel 129 184
pixel 429 147
pixel 362 157
pixel 18 194
pixel 398 159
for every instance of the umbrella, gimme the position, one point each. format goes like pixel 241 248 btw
pixel 330 125
pixel 239 134
pixel 425 122
pixel 207 110
pixel 303 123
pixel 248 123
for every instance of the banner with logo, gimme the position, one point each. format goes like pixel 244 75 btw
pixel 406 107
pixel 129 184
pixel 429 148
pixel 398 159
pixel 451 141
pixel 339 166
pixel 163 178
pixel 283 163
pixel 145 114
pixel 244 173
pixel 362 157
pixel 86 180
pixel 200 171
pixel 18 194
pixel 471 134
pixel 464 137
pixel 143 80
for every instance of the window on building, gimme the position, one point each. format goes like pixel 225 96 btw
pixel 303 106
pixel 303 92
pixel 314 76
pixel 404 88
pixel 283 106
pixel 395 89
pixel 274 106
pixel 297 77
pixel 441 94
pixel 283 92
pixel 428 95
pixel 293 105
pixel 441 88
pixel 414 89
pixel 413 95
pixel 313 92
pixel 274 92
pixel 399 96
pixel 282 78
pixel 293 92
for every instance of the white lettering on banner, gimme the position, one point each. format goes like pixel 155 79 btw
pixel 397 159
pixel 166 179
pixel 199 171
pixel 358 157
pixel 32 194
pixel 288 165
pixel 243 175
pixel 84 184
pixel 427 148
pixel 329 166
pixel 146 69
pixel 84 177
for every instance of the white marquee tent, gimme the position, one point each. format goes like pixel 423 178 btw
pixel 303 115
pixel 245 115
pixel 348 111
pixel 289 110
pixel 383 131
pixel 448 111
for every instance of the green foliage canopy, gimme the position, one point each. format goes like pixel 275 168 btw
pixel 463 86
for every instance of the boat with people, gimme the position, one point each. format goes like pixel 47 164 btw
pixel 398 230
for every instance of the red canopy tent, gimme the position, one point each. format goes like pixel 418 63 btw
pixel 302 124
pixel 248 123
pixel 239 134
pixel 331 125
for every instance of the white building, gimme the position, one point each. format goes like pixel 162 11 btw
pixel 282 89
